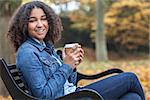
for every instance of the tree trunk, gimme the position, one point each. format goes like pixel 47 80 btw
pixel 101 49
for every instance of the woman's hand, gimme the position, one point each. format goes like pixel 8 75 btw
pixel 73 58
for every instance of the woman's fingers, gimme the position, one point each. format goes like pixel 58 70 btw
pixel 76 57
pixel 78 50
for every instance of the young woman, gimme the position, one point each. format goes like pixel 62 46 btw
pixel 33 30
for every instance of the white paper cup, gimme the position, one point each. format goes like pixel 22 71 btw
pixel 70 47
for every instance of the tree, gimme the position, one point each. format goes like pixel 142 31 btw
pixel 8 7
pixel 101 49
pixel 129 30
pixel 85 18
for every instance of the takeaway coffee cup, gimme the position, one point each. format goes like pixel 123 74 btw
pixel 70 48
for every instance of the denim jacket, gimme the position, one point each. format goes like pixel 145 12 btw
pixel 42 74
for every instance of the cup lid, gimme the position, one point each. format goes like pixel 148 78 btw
pixel 70 45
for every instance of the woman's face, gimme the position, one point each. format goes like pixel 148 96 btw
pixel 37 24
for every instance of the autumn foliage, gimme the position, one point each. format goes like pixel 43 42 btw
pixel 127 24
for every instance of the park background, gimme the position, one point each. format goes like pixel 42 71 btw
pixel 113 34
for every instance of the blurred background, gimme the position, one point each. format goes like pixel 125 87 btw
pixel 113 33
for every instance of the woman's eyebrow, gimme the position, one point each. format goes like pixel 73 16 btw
pixel 43 16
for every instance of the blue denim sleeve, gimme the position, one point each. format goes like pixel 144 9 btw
pixel 73 78
pixel 32 71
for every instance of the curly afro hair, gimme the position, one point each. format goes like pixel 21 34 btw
pixel 18 29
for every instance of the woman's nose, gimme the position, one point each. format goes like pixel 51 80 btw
pixel 39 23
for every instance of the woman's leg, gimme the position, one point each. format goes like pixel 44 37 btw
pixel 130 96
pixel 112 88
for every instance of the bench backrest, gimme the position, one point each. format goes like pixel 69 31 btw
pixel 12 81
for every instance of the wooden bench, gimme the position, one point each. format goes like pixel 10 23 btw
pixel 17 90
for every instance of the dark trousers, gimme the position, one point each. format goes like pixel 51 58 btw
pixel 124 86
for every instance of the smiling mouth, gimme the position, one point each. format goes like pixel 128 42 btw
pixel 39 30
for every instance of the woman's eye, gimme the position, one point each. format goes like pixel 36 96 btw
pixel 44 18
pixel 32 21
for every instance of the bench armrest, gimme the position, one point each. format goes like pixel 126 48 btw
pixel 98 75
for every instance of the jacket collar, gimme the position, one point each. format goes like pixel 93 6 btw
pixel 49 46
